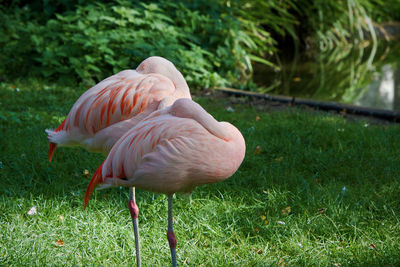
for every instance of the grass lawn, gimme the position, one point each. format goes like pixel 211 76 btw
pixel 314 189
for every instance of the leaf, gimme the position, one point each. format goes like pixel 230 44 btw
pixel 85 173
pixel 59 243
pixel 230 109
pixel 322 210
pixel 257 150
pixel 286 210
pixel 32 211
pixel 263 61
pixel 264 218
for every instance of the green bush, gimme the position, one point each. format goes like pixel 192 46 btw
pixel 96 40
pixel 211 42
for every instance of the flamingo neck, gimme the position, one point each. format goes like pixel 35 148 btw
pixel 182 88
pixel 186 108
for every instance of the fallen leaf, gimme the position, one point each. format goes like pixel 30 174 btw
pixel 256 230
pixel 286 210
pixel 230 109
pixel 343 190
pixel 258 118
pixel 59 243
pixel 186 261
pixel 321 210
pixel 342 244
pixel 296 79
pixel 60 218
pixel 259 251
pixel 266 221
pixel 263 217
pixel 372 246
pixel 85 173
pixel 32 211
pixel 281 262
pixel 257 150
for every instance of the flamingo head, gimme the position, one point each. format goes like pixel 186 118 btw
pixel 165 67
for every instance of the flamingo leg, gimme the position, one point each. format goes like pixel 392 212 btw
pixel 134 210
pixel 170 234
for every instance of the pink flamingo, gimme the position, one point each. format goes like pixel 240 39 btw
pixel 110 108
pixel 172 150
pixel 107 110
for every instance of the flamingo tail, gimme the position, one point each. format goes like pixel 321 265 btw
pixel 96 179
pixel 52 147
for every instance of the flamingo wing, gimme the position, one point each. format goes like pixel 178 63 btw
pixel 164 154
pixel 116 98
pixel 120 97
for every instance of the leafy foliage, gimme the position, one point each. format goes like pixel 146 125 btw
pixel 97 39
pixel 212 42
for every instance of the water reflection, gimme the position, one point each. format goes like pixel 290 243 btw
pixel 379 93
pixel 350 74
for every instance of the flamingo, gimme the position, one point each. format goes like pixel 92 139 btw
pixel 173 150
pixel 109 109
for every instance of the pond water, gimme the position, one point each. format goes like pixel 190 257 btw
pixel 363 75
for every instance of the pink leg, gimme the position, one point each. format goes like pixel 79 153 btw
pixel 170 234
pixel 134 210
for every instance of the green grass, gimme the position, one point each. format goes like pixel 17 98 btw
pixel 305 161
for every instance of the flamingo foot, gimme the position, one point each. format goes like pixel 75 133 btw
pixel 171 239
pixel 134 210
pixel 170 234
pixel 172 245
